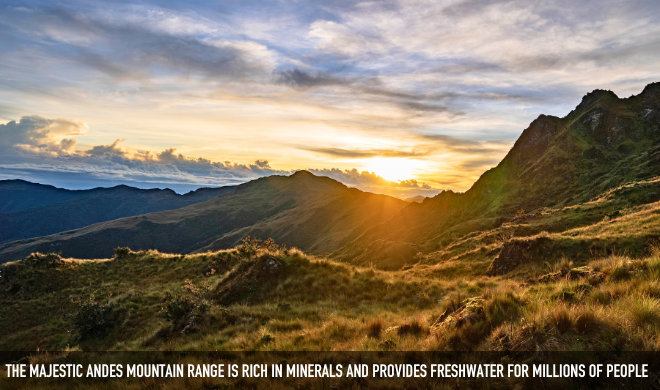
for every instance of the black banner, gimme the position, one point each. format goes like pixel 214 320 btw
pixel 330 370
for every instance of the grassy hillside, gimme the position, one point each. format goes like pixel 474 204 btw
pixel 33 210
pixel 317 214
pixel 269 298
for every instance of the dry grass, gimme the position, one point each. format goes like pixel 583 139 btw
pixel 375 327
pixel 317 304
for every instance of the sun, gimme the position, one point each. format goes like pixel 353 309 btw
pixel 393 169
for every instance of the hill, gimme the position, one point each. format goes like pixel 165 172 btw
pixel 605 143
pixel 17 195
pixel 32 210
pixel 417 199
pixel 269 298
pixel 317 214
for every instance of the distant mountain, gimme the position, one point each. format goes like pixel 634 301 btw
pixel 416 199
pixel 56 210
pixel 605 142
pixel 17 195
pixel 317 214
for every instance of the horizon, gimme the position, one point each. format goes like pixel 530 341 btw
pixel 183 189
pixel 395 98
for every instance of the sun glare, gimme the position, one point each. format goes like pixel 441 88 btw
pixel 393 169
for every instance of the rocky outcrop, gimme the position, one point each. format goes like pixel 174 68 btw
pixel 518 251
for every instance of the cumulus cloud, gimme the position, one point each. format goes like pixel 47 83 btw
pixel 113 148
pixel 262 164
pixel 37 134
pixel 37 144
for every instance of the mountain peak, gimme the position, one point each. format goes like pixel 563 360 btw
pixel 651 90
pixel 595 96
pixel 303 173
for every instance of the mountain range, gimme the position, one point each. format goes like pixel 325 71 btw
pixel 315 213
pixel 605 143
pixel 31 210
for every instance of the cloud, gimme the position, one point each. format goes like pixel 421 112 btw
pixel 371 182
pixel 368 179
pixel 127 47
pixel 300 79
pixel 479 163
pixel 466 146
pixel 36 144
pixel 113 148
pixel 34 148
pixel 412 183
pixel 347 153
pixel 262 164
pixel 427 145
pixel 37 134
pixel 450 82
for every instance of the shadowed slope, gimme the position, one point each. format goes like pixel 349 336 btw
pixel 315 213
pixel 75 209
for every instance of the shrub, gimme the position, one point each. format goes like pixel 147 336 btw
pixel 179 308
pixel 121 253
pixel 561 267
pixel 92 318
pixel 249 247
pixel 187 309
pixel 561 318
pixel 375 328
pixel 266 338
pixel 501 307
pixel 40 260
pixel 586 320
pixel 413 328
pixel 270 245
pixel 388 344
pixel 620 272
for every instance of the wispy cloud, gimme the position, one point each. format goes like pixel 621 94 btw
pixel 337 152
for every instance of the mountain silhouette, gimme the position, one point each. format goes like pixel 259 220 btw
pixel 55 210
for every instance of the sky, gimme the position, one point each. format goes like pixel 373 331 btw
pixel 404 98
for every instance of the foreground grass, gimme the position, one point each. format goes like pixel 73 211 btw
pixel 314 304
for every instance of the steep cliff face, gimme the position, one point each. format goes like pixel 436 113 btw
pixel 603 143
